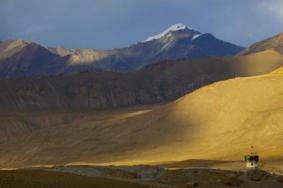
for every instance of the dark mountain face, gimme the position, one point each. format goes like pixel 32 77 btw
pixel 22 58
pixel 181 44
pixel 272 43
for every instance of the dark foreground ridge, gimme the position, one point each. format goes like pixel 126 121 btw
pixel 136 177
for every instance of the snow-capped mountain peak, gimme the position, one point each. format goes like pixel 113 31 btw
pixel 175 27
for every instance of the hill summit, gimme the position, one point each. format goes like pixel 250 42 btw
pixel 173 28
pixel 272 43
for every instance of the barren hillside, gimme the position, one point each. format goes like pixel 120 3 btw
pixel 220 121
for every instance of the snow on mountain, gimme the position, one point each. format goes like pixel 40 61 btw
pixel 175 27
pixel 196 36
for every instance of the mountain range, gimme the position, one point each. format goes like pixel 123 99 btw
pixel 23 58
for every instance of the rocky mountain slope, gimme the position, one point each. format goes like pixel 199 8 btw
pixel 272 43
pixel 220 121
pixel 22 58
pixel 157 83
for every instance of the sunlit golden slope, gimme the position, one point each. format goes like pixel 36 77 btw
pixel 258 63
pixel 221 121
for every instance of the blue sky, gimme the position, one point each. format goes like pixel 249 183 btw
pixel 105 24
